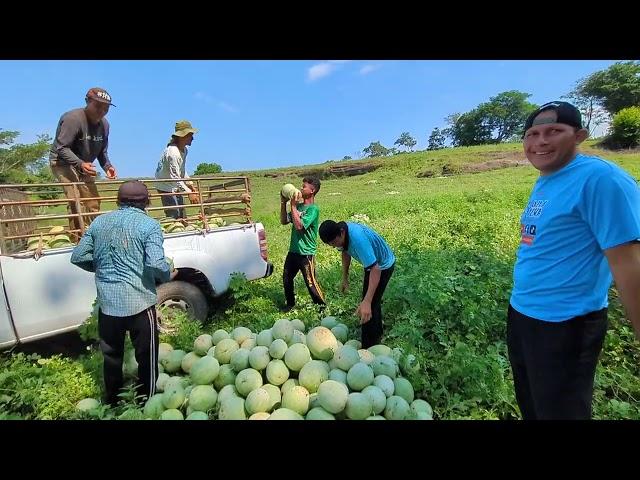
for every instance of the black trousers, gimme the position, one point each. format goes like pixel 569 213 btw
pixel 372 330
pixel 143 329
pixel 173 201
pixel 554 364
pixel 293 264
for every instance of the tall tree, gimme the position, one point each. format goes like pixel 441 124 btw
pixel 406 140
pixel 436 139
pixel 615 88
pixel 207 169
pixel 376 149
pixel 24 163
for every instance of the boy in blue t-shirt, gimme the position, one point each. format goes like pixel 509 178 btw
pixel 371 250
pixel 579 231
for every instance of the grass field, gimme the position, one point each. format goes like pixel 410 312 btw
pixel 455 239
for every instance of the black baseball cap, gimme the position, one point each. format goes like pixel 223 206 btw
pixel 133 191
pixel 565 113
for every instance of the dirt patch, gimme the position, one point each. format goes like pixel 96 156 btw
pixel 494 165
pixel 343 170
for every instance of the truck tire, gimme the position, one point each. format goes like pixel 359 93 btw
pixel 185 296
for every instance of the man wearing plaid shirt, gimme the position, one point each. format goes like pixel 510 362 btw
pixel 124 249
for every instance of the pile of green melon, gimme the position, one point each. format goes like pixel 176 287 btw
pixel 169 225
pixel 283 374
pixel 55 238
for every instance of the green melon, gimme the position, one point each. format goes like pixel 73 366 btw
pixel 259 358
pixel 247 381
pixel 297 356
pixel 397 408
pixel 277 372
pixel 282 329
pixel 298 337
pixel 322 343
pixel 275 397
pixel 240 360
pixel 173 361
pixel 289 191
pixel 285 414
pixel 360 376
pixel 264 338
pixel 383 365
pixel 341 332
pixel 338 375
pixel 313 374
pixel 219 335
pixel 172 414
pixel 278 349
pixel 240 334
pixel 232 408
pixel 161 382
pixel 227 391
pixel 226 376
pixel 377 397
pixel 346 357
pixel 385 384
pixel 204 371
pixel 419 405
pixel 257 401
pixel 292 382
pixel 404 389
pixel 298 325
pixel 380 350
pixel 154 407
pixel 249 343
pixel 202 398
pixel 319 413
pixel 188 360
pixel 197 415
pixel 359 406
pixel 224 350
pixel 366 356
pixel 259 416
pixel 87 404
pixel 202 344
pixel 333 396
pixel 173 397
pixel 329 322
pixel 354 343
pixel 296 399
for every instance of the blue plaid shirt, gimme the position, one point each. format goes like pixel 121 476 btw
pixel 124 249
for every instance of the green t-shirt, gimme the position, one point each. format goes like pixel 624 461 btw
pixel 304 241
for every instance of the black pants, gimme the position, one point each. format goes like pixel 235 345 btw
pixel 372 330
pixel 173 201
pixel 305 263
pixel 554 364
pixel 143 329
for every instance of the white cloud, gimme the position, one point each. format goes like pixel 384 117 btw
pixel 320 70
pixel 368 69
pixel 218 103
pixel 324 69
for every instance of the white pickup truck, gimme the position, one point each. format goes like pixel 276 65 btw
pixel 43 294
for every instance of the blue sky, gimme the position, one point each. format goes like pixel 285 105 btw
pixel 265 114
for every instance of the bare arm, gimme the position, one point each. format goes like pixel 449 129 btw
pixel 295 216
pixel 624 261
pixel 283 211
pixel 346 263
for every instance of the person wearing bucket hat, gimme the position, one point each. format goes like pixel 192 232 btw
pixel 579 231
pixel 124 250
pixel 82 136
pixel 172 165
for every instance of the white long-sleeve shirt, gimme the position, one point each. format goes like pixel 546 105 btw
pixel 172 164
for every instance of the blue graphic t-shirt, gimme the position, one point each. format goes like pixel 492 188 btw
pixel 573 215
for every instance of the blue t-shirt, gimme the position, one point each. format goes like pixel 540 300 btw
pixel 573 215
pixel 368 247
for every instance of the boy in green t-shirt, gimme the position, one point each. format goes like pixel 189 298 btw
pixel 302 248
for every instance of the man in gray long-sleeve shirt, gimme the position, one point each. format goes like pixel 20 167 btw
pixel 81 137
